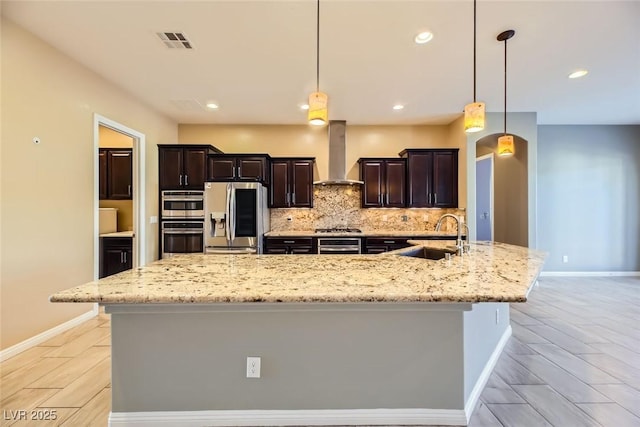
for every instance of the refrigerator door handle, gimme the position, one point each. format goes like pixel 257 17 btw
pixel 228 213
pixel 232 219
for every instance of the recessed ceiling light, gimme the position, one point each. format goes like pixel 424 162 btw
pixel 212 105
pixel 578 74
pixel 304 106
pixel 423 37
pixel 398 107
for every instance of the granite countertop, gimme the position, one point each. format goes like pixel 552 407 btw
pixel 365 233
pixel 491 272
pixel 118 234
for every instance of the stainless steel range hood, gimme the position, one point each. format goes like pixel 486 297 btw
pixel 337 156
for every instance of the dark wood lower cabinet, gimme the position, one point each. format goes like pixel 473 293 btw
pixel 116 256
pixel 378 245
pixel 290 245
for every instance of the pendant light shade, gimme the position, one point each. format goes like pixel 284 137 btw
pixel 506 147
pixel 474 116
pixel 318 113
pixel 318 101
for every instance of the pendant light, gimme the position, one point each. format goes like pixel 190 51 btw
pixel 474 112
pixel 506 146
pixel 318 113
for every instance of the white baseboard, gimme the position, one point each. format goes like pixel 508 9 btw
pixel 589 273
pixel 410 416
pixel 46 335
pixel 485 374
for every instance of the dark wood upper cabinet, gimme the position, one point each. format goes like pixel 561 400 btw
pixel 120 174
pixel 432 178
pixel 291 184
pixel 116 173
pixel 238 167
pixel 384 182
pixel 183 166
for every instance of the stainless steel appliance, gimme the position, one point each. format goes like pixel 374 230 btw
pixel 236 217
pixel 339 245
pixel 182 236
pixel 182 204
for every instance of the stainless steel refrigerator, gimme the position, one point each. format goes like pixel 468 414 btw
pixel 236 217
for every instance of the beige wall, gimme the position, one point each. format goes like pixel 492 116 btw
pixel 45 245
pixel 109 138
pixel 304 140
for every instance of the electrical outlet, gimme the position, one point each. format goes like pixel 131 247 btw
pixel 425 217
pixel 404 218
pixel 385 218
pixel 153 220
pixel 565 258
pixel 253 367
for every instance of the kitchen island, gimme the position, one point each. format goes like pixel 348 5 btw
pixel 343 339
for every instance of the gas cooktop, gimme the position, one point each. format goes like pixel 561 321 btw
pixel 338 230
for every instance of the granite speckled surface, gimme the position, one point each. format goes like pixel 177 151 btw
pixel 491 272
pixel 365 233
pixel 339 206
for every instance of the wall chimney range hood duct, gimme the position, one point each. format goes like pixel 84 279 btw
pixel 337 156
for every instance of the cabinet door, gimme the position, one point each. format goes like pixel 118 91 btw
pixel 102 167
pixel 221 168
pixel 194 168
pixel 113 260
pixel 279 194
pixel 170 168
pixel 119 172
pixel 276 250
pixel 252 168
pixel 420 180
pixel 445 179
pixel 394 180
pixel 371 172
pixel 301 184
pixel 301 250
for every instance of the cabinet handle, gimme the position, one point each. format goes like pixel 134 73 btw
pixel 121 258
pixel 289 241
pixel 237 172
pixel 390 241
pixel 186 179
pixel 294 198
pixel 180 179
pixel 125 257
pixel 129 189
pixel 288 198
pixel 435 198
pixel 429 198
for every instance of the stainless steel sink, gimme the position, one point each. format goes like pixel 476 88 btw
pixel 429 253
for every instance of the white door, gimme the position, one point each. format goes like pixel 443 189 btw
pixel 484 197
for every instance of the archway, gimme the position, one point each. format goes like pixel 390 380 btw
pixel 510 190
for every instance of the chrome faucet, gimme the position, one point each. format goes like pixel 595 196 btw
pixel 459 245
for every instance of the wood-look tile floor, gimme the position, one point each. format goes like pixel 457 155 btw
pixel 573 361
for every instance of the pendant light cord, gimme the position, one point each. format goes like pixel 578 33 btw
pixel 318 47
pixel 505 86
pixel 474 50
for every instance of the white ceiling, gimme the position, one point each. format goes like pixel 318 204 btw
pixel 257 59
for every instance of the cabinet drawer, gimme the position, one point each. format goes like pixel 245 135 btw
pixel 383 241
pixel 288 241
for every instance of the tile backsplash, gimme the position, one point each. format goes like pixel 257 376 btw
pixel 339 206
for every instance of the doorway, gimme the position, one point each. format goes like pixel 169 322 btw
pixel 128 199
pixel 484 197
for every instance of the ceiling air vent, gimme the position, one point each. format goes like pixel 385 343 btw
pixel 175 40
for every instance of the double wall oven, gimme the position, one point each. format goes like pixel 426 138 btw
pixel 182 222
